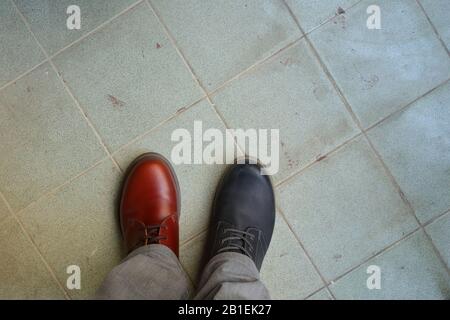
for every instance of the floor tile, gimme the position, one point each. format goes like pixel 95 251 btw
pixel 437 11
pixel 379 71
pixel 409 270
pixel 45 140
pixel 321 295
pixel 221 39
pixel 290 93
pixel 345 209
pixel 24 275
pixel 18 52
pixel 286 271
pixel 197 182
pixel 311 14
pixel 415 145
pixel 193 256
pixel 128 77
pixel 48 18
pixel 82 218
pixel 439 231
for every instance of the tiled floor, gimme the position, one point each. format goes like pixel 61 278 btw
pixel 364 119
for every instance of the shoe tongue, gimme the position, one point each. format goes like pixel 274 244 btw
pixel 237 243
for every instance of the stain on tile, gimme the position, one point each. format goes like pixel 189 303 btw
pixel 116 103
pixel 282 97
pixel 146 85
pixel 311 14
pixel 375 68
pixel 222 38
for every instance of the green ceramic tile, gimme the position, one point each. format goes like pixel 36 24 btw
pixel 292 94
pixel 437 11
pixel 439 231
pixel 415 145
pixel 380 71
pixel 18 52
pixel 44 138
pixel 222 38
pixel 128 77
pixel 321 295
pixel 23 273
pixel 48 18
pixel 286 270
pixel 79 226
pixel 193 256
pixel 409 270
pixel 345 209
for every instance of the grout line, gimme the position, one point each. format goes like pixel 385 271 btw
pixel 433 27
pixel 23 74
pixel 66 47
pixel 316 291
pixel 255 65
pixel 67 182
pixel 304 249
pixel 174 44
pixel 363 132
pixel 331 293
pixel 375 152
pixel 324 156
pixel 377 254
pixel 406 201
pixel 99 27
pixel 330 18
pixel 66 87
pixel 34 245
pixel 193 238
pixel 400 110
pixel 333 151
pixel 286 47
pixel 183 58
pixel 436 250
pixel 190 68
pixel 173 116
pixel 84 115
pixel 434 219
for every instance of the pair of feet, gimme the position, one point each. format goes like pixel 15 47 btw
pixel 243 212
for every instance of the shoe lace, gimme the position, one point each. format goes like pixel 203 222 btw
pixel 243 238
pixel 151 234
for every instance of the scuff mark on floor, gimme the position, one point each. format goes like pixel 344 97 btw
pixel 340 18
pixel 116 103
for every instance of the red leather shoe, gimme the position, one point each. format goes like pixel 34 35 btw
pixel 150 203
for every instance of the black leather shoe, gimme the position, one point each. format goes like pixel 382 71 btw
pixel 243 213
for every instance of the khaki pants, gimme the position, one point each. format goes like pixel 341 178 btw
pixel 154 272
